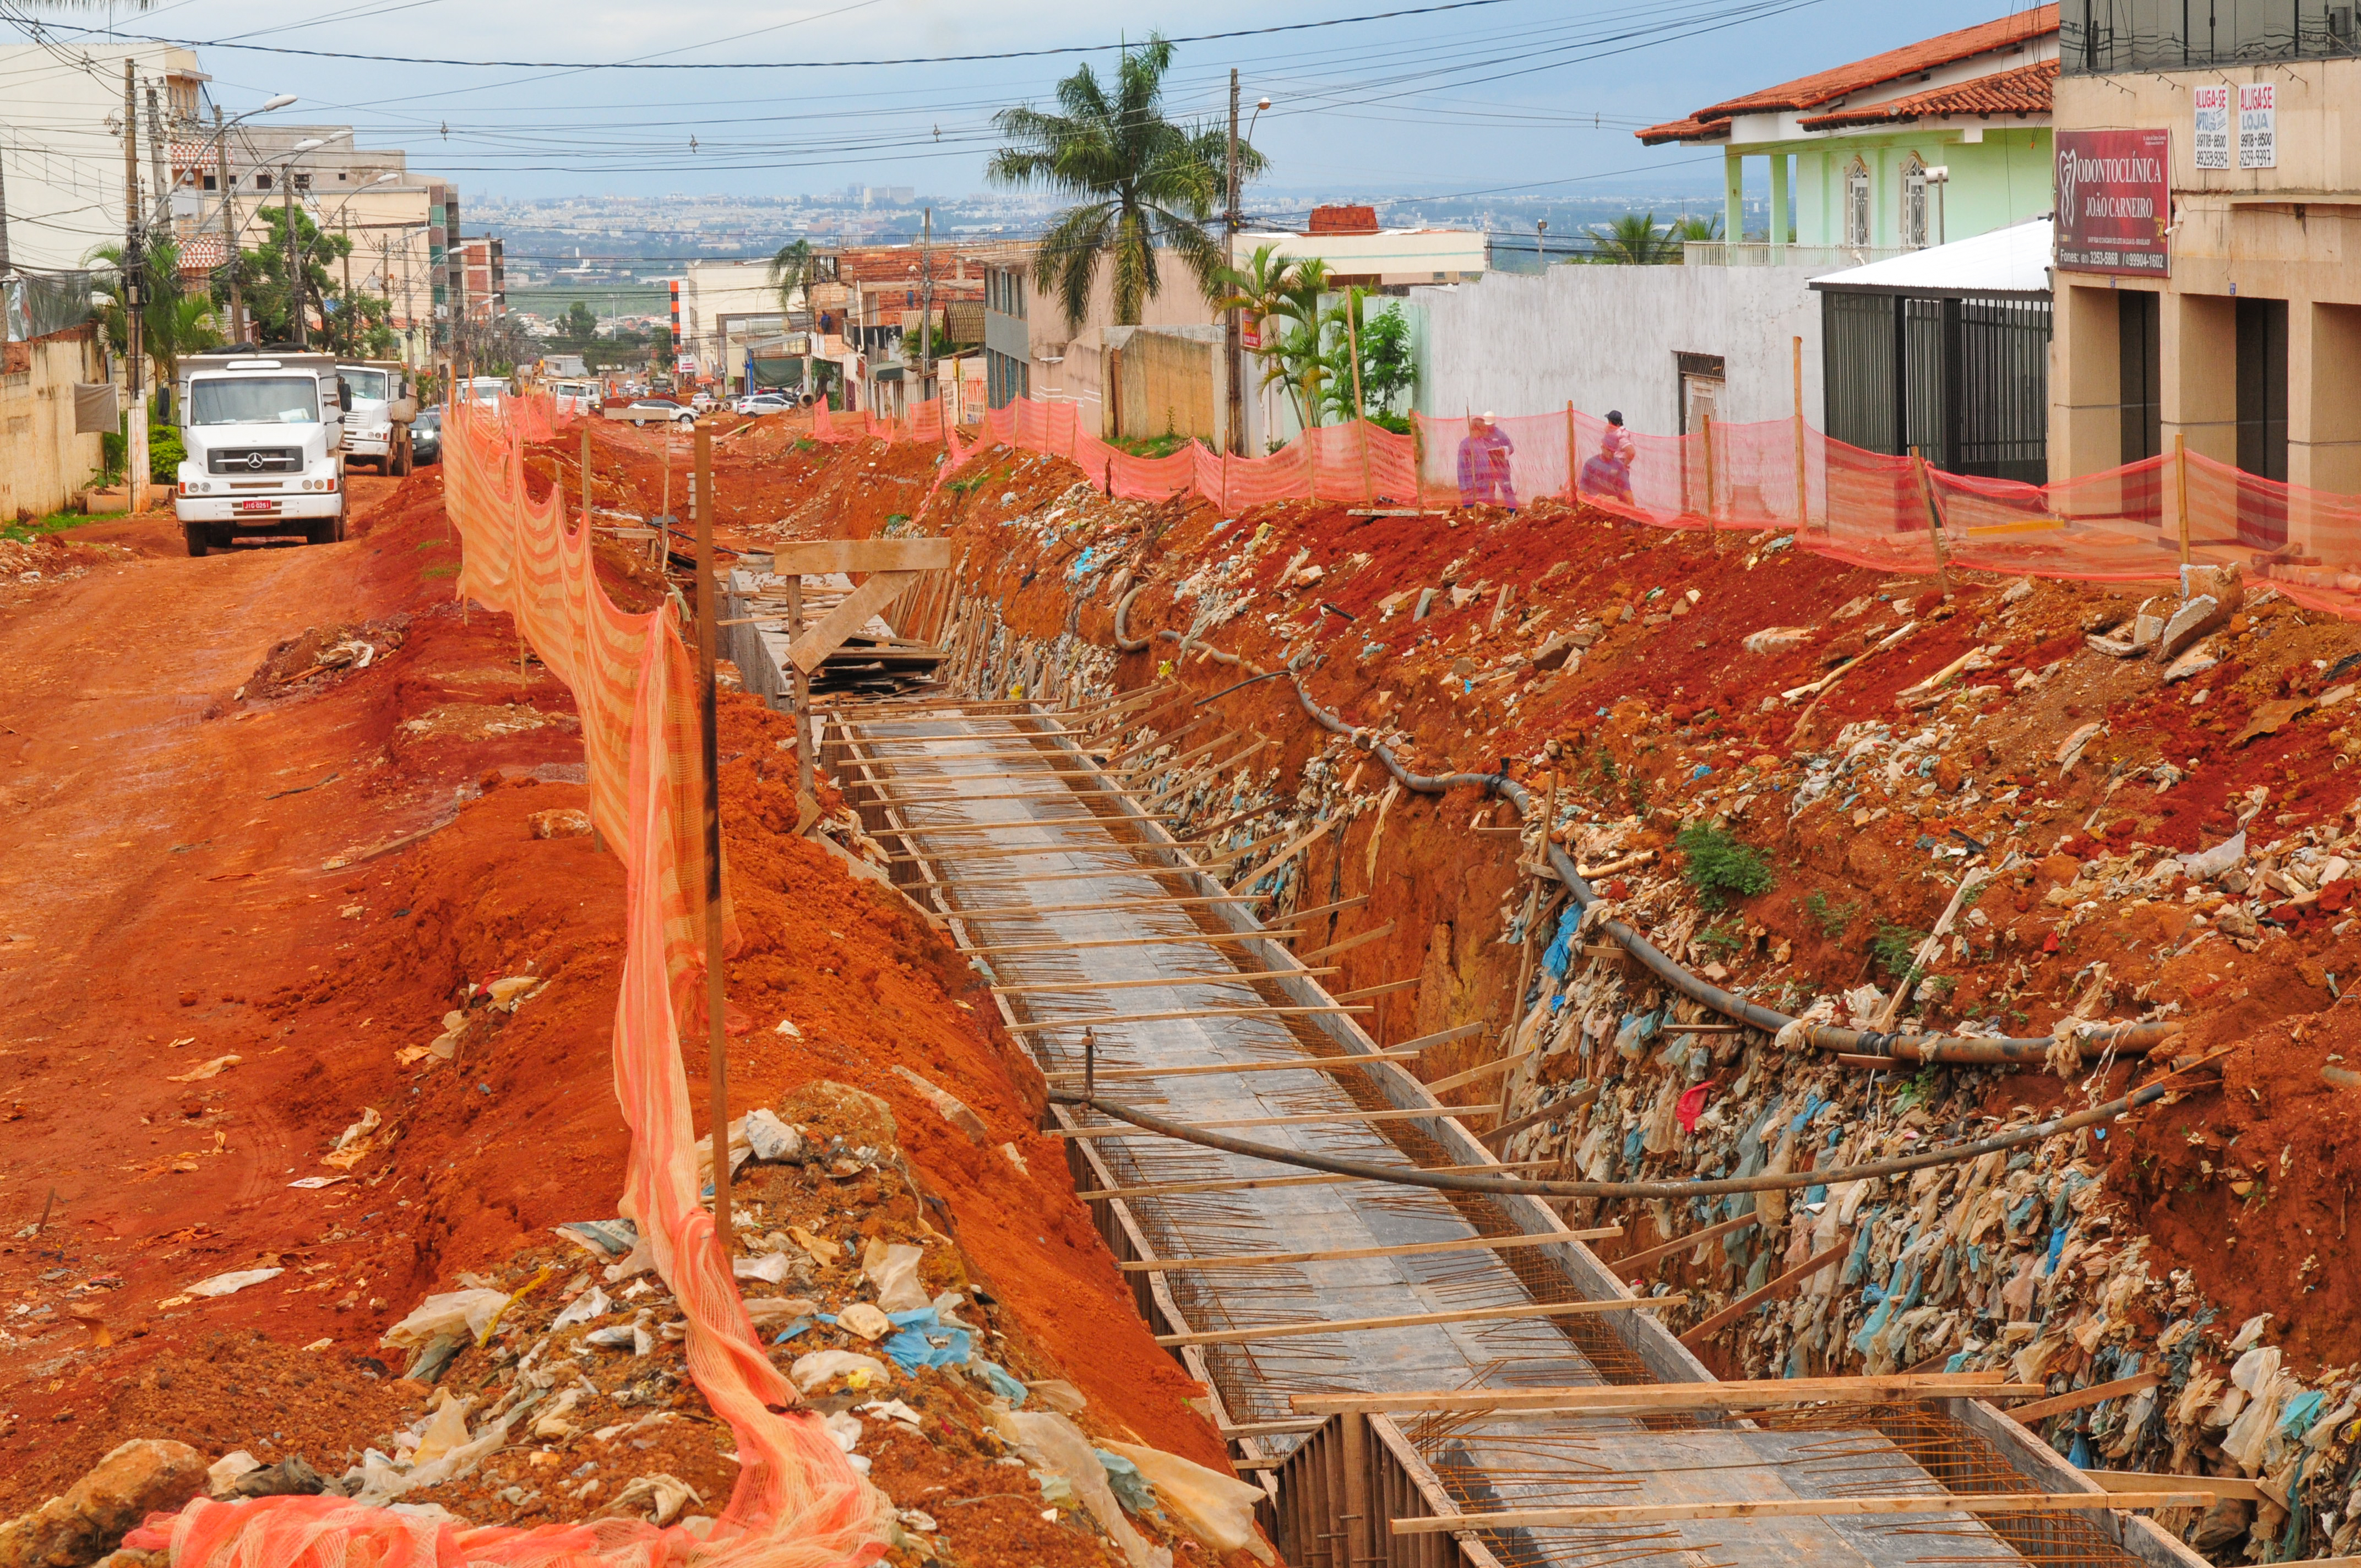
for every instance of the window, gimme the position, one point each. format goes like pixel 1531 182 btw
pixel 1856 206
pixel 1914 204
pixel 302 183
pixel 262 181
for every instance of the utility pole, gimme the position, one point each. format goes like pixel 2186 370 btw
pixel 1233 340
pixel 134 298
pixel 229 225
pixel 4 217
pixel 352 337
pixel 717 1043
pixel 926 305
pixel 295 256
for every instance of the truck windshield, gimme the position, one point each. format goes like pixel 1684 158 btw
pixel 256 400
pixel 368 384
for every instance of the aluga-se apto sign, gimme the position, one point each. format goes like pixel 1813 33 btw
pixel 2212 145
pixel 2114 201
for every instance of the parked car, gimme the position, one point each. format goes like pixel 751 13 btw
pixel 655 411
pixel 764 403
pixel 701 401
pixel 426 436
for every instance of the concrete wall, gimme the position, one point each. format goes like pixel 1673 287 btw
pixel 1167 383
pixel 43 463
pixel 1605 337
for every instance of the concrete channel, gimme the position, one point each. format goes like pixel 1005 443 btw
pixel 1095 923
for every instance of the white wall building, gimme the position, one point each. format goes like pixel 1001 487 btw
pixel 62 146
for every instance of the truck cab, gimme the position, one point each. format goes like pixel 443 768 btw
pixel 264 437
pixel 377 427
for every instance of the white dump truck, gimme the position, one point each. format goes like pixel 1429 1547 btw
pixel 264 434
pixel 377 427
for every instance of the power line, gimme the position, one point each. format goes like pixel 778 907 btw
pixel 816 64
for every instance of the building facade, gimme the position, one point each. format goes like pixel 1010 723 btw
pixel 2236 330
pixel 1936 141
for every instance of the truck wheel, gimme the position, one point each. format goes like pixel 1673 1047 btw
pixel 198 536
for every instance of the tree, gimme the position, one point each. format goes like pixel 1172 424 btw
pixel 791 272
pixel 1387 369
pixel 1634 240
pixel 578 325
pixel 270 300
pixel 1696 228
pixel 1137 180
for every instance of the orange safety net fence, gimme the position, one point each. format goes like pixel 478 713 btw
pixel 798 1503
pixel 2136 523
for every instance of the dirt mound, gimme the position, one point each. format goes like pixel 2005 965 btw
pixel 319 657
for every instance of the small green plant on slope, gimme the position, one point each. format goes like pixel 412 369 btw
pixel 1833 919
pixel 1719 867
pixel 1894 949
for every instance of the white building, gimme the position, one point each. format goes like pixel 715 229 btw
pixel 61 145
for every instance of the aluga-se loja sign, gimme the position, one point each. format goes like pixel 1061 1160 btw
pixel 2114 201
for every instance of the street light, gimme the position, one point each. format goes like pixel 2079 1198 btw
pixel 220 140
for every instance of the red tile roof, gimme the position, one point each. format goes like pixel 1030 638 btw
pixel 2021 92
pixel 1825 88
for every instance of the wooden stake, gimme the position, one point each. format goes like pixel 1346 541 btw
pixel 2083 1398
pixel 1192 939
pixel 1348 945
pixel 1632 1267
pixel 1419 1320
pixel 1256 1183
pixel 1753 1299
pixel 1474 1074
pixel 1344 1254
pixel 1806 1508
pixel 2180 479
pixel 1712 517
pixel 1202 1069
pixel 715 1040
pixel 1573 458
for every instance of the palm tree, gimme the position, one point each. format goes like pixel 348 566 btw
pixel 159 314
pixel 1265 289
pixel 1137 180
pixel 1633 240
pixel 792 272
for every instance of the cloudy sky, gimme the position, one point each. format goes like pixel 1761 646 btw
pixel 1536 95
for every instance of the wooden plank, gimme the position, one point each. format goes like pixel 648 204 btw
pixel 1031 909
pixel 1441 1036
pixel 1202 1069
pixel 1666 1398
pixel 1550 1112
pixel 1802 1509
pixel 1085 987
pixel 811 650
pixel 819 557
pixel 2083 1398
pixel 1416 1320
pixel 1293 849
pixel 1367 992
pixel 1292 916
pixel 1474 1074
pixel 1256 1183
pixel 1091 1023
pixel 1344 1255
pixel 1192 939
pixel 1349 943
pixel 1326 1118
pixel 2220 1486
pixel 1773 1291
pixel 1632 1266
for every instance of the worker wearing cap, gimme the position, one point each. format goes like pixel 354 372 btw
pixel 1484 456
pixel 1607 475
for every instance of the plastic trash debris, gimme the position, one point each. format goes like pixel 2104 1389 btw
pixel 893 1268
pixel 815 1370
pixel 890 1410
pixel 953 1108
pixel 510 993
pixel 1058 1394
pixel 661 1495
pixel 1217 1509
pixel 591 1304
pixel 208 1070
pixel 231 1283
pixel 228 1468
pixel 770 1269
pixel 352 1146
pixel 1123 1479
pixel 2219 861
pixel 914 1344
pixel 767 1309
pixel 864 1319
pixel 1057 1445
pixel 604 1238
pixel 996 1378
pixel 445 1429
pixel 768 1137
pixel 455 1312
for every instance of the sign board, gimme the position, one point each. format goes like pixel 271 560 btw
pixel 1250 331
pixel 2114 201
pixel 2259 124
pixel 2213 138
pixel 686 365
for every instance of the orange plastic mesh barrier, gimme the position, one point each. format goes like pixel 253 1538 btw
pixel 798 1503
pixel 1890 514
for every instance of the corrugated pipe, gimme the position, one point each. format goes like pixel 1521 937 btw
pixel 1959 1051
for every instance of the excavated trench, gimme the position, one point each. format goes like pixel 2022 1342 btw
pixel 1121 960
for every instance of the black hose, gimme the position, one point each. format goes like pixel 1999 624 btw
pixel 1250 680
pixel 1511 1187
pixel 2128 1039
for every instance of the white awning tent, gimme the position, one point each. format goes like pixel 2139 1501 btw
pixel 2013 261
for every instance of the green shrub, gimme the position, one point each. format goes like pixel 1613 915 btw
pixel 165 455
pixel 1719 867
pixel 1894 950
pixel 1833 919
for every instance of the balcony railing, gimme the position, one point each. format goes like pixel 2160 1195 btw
pixel 1762 253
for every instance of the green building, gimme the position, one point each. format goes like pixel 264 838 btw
pixel 1938 140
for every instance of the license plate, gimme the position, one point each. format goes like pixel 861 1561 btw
pixel 258 506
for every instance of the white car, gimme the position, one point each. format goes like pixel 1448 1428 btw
pixel 764 403
pixel 652 410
